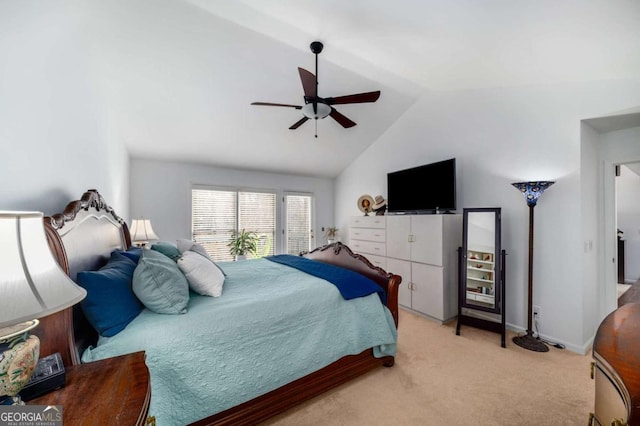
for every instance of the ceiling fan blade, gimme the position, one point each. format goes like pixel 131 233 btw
pixel 344 121
pixel 308 83
pixel 298 123
pixel 280 105
pixel 354 99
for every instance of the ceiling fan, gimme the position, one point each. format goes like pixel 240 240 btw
pixel 317 107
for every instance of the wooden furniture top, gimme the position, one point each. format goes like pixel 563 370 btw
pixel 114 391
pixel 617 344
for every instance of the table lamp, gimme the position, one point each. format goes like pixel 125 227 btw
pixel 142 232
pixel 32 286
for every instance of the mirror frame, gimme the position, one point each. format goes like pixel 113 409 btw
pixel 497 274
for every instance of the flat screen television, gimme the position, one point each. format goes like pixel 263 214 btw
pixel 430 188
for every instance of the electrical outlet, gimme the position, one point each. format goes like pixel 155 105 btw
pixel 536 311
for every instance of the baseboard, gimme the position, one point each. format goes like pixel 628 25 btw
pixel 581 350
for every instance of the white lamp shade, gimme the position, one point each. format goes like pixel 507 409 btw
pixel 142 231
pixel 32 284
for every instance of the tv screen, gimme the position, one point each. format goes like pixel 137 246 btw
pixel 424 189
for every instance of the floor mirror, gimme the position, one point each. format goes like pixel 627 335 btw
pixel 481 272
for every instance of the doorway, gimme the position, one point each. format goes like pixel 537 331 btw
pixel 612 141
pixel 627 189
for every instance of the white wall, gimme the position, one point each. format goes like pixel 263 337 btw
pixel 500 136
pixel 594 292
pixel 628 209
pixel 161 192
pixel 54 140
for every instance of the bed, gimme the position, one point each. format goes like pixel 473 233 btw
pixel 85 234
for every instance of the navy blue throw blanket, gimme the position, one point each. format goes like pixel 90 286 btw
pixel 349 283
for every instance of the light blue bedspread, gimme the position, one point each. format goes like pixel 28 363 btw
pixel 273 324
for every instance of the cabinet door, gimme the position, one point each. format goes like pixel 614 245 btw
pixel 427 239
pixel 398 230
pixel 426 296
pixel 402 268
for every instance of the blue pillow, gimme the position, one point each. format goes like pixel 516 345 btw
pixel 132 253
pixel 167 249
pixel 110 303
pixel 160 285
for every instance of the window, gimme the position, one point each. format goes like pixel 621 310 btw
pixel 298 223
pixel 218 213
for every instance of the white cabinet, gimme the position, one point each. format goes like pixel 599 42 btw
pixel 423 250
pixel 367 236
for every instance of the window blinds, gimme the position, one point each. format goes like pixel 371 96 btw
pixel 216 214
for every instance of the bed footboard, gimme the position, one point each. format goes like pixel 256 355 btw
pixel 340 254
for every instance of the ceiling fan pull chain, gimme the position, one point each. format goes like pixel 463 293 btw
pixel 316 120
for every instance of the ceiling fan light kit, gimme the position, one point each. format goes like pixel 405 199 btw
pixel 316 107
pixel 322 110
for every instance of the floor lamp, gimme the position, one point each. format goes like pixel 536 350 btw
pixel 531 191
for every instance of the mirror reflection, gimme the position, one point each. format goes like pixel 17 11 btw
pixel 481 259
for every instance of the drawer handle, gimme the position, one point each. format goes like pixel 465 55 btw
pixel 593 369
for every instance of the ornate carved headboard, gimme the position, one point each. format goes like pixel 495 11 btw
pixel 81 238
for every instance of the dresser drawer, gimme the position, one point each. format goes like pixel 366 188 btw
pixel 368 234
pixel 367 222
pixel 369 247
pixel 379 261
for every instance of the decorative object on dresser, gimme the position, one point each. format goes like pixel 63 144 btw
pixel 379 206
pixel 616 354
pixel 85 236
pixel 364 204
pixel 481 272
pixel 531 191
pixel 142 232
pixel 32 286
pixel 422 250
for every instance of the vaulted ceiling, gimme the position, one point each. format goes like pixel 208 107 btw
pixel 177 76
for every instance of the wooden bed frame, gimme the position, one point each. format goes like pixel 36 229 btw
pixel 88 230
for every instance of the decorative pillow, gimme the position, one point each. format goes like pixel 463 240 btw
pixel 132 253
pixel 188 245
pixel 110 303
pixel 203 276
pixel 160 285
pixel 167 249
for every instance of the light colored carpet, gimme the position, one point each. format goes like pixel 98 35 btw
pixel 443 379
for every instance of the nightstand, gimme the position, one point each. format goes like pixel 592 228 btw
pixel 112 391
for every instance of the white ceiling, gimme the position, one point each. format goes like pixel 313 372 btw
pixel 178 76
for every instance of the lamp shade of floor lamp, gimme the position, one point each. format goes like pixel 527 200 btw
pixel 531 191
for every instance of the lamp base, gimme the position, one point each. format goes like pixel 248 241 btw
pixel 19 351
pixel 531 343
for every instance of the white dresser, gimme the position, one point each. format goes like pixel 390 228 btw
pixel 422 249
pixel 368 236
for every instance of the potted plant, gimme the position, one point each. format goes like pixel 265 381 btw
pixel 243 243
pixel 332 234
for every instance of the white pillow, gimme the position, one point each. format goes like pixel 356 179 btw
pixel 203 276
pixel 188 245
